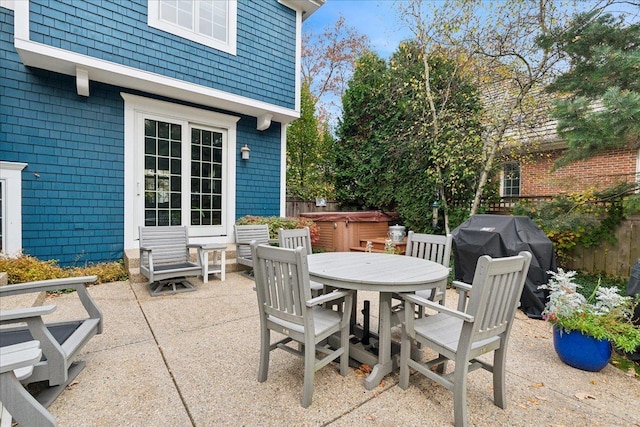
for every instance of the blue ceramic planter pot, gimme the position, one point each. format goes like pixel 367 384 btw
pixel 581 351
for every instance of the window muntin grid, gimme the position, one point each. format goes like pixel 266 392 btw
pixel 162 173
pixel 511 180
pixel 206 177
pixel 209 22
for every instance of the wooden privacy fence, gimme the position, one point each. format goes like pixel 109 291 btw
pixel 613 259
pixel 295 207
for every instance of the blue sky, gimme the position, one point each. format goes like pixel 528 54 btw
pixel 375 18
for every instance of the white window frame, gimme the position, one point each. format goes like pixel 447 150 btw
pixel 136 109
pixel 11 177
pixel 502 180
pixel 153 19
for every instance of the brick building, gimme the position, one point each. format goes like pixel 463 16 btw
pixel 602 171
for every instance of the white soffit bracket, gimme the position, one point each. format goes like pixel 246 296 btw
pixel 264 121
pixel 82 81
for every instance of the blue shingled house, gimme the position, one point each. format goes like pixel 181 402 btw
pixel 117 114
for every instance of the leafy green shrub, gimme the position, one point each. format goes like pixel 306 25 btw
pixel 579 218
pixel 277 222
pixel 26 268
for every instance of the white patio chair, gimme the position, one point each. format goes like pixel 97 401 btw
pixel 286 307
pixel 463 336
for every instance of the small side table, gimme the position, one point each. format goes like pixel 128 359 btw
pixel 218 261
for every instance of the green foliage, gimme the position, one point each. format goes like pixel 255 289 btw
pixel 392 152
pixel 26 268
pixel 604 314
pixel 602 110
pixel 573 219
pixel 277 222
pixel 306 152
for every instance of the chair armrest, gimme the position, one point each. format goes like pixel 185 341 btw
pixel 331 296
pixel 21 314
pixel 194 245
pixel 461 285
pixel 411 299
pixel 463 292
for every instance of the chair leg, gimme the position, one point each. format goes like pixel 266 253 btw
pixel 405 354
pixel 499 364
pixel 460 394
pixel 265 341
pixel 344 344
pixel 21 405
pixel 309 373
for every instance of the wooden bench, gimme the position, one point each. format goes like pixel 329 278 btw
pixel 60 341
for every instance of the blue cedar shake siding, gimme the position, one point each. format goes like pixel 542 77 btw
pixel 73 186
pixel 262 69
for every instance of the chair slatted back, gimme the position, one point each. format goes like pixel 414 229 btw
pixel 282 283
pixel 169 244
pixel 497 286
pixel 430 246
pixel 245 234
pixel 299 237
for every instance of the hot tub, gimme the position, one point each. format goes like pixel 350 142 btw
pixel 339 231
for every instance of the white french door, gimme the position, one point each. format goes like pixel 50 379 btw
pixel 181 163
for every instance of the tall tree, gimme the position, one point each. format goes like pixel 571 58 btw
pixel 511 69
pixel 304 151
pixel 600 108
pixel 387 154
pixel 328 60
pixel 358 152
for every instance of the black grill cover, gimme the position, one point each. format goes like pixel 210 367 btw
pixel 500 236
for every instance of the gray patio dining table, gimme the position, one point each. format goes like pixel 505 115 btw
pixel 383 273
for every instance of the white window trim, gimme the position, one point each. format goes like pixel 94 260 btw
pixel 153 20
pixel 11 176
pixel 7 4
pixel 135 109
pixel 502 182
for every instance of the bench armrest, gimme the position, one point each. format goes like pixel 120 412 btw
pixel 75 283
pixel 20 356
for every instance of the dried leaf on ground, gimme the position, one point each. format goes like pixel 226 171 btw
pixel 583 396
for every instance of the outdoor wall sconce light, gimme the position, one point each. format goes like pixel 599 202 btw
pixel 245 152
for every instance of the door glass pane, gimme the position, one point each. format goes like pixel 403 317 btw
pixel 162 173
pixel 206 162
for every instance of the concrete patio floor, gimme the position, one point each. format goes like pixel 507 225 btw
pixel 191 359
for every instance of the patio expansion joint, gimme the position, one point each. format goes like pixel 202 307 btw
pixel 374 396
pixel 164 359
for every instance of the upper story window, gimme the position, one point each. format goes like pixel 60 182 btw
pixel 209 22
pixel 511 180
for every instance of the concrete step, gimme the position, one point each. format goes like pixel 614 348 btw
pixel 132 263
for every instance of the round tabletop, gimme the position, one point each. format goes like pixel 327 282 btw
pixel 375 271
